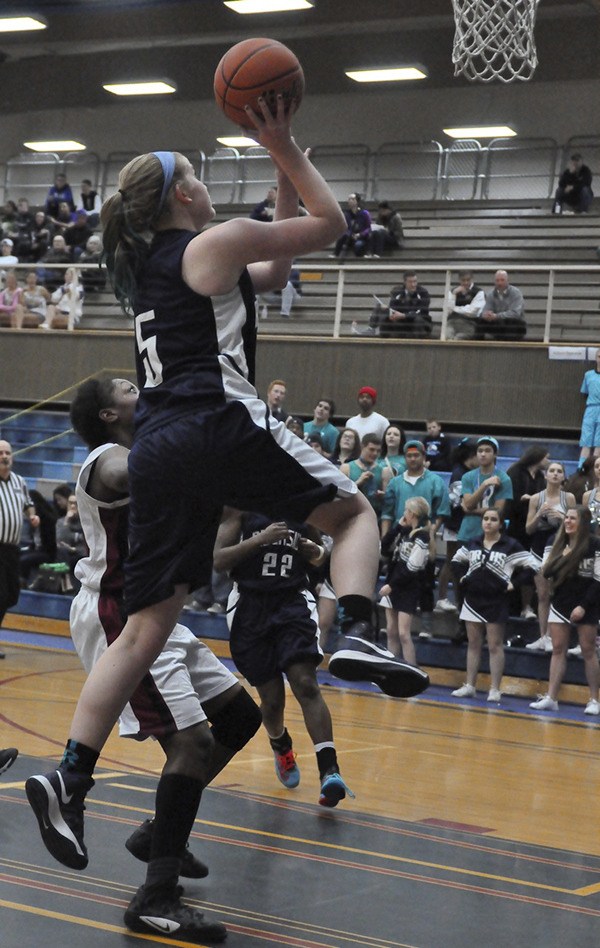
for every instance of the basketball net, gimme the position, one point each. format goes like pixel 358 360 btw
pixel 494 39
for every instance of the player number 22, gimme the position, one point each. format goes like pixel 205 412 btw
pixel 270 565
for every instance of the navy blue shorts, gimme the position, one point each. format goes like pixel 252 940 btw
pixel 183 473
pixel 270 631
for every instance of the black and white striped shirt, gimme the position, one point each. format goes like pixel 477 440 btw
pixel 14 500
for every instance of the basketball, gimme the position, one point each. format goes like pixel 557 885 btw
pixel 253 68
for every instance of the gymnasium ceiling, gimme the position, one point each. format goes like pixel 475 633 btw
pixel 89 42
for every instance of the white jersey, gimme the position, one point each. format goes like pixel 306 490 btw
pixel 104 526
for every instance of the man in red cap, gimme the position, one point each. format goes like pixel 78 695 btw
pixel 368 421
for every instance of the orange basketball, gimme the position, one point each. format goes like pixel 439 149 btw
pixel 253 68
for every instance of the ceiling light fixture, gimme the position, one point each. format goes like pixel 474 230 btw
pixel 19 24
pixel 236 141
pixel 268 6
pixel 481 131
pixel 150 87
pixel 395 74
pixel 55 146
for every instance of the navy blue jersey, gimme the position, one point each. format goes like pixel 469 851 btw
pixel 274 566
pixel 487 571
pixel 192 351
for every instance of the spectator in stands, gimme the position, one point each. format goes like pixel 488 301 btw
pixel 212 598
pixel 347 447
pixel 41 234
pixel 527 477
pixel 35 297
pixel 408 316
pixel 437 446
pixel 275 398
pixel 574 188
pixel 9 225
pixel 93 277
pixel 78 234
pixel 60 499
pixel 485 487
pixel 589 441
pixel 59 191
pixel 38 544
pixel 463 459
pixel 316 442
pixel 70 541
pixel 90 203
pixel 378 314
pixel 502 317
pixel 581 480
pixel 58 253
pixel 366 472
pixel 464 303
pixel 265 209
pixel 296 426
pixel 392 450
pixel 388 232
pixel 357 236
pixel 284 298
pixel 24 221
pixel 368 421
pixel 545 515
pixel 7 258
pixel 488 568
pixel 573 566
pixel 63 219
pixel 11 304
pixel 66 302
pixel 591 498
pixel 321 425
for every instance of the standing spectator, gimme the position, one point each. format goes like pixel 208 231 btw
pixel 502 317
pixel 368 421
pixel 11 302
pixel 265 210
pixel 574 188
pixel 90 203
pixel 589 442
pixel 392 450
pixel 486 568
pixel 14 502
pixel 572 565
pixel 437 447
pixel 464 303
pixel 463 459
pixel 485 487
pixel 366 472
pixel 347 447
pixel 388 232
pixel 321 424
pixel 408 316
pixel 57 192
pixel 357 236
pixel 527 478
pixel 591 498
pixel 275 397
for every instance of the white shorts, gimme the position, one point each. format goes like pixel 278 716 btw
pixel 326 591
pixel 169 698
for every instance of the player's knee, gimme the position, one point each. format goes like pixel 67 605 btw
pixel 237 722
pixel 305 686
pixel 190 751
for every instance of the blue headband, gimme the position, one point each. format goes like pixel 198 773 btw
pixel 167 161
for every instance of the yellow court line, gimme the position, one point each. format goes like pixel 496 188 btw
pixel 588 890
pixel 128 786
pixel 20 784
pixel 352 850
pixel 90 923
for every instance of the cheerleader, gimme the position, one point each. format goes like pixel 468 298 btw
pixel 408 545
pixel 572 565
pixel 485 568
pixel 591 498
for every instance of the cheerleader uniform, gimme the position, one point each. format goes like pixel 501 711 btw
pixel 547 525
pixel 580 589
pixel 409 554
pixel 594 505
pixel 485 574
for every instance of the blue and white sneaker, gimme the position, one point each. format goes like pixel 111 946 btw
pixel 333 789
pixel 57 801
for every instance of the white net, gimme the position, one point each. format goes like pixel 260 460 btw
pixel 494 39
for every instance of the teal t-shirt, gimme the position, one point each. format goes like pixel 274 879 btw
pixel 329 434
pixel 470 528
pixel 396 461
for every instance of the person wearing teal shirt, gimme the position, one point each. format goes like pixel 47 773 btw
pixel 392 456
pixel 487 486
pixel 415 481
pixel 367 473
pixel 322 426
pixel 590 426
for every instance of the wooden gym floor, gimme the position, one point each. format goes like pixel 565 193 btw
pixel 472 825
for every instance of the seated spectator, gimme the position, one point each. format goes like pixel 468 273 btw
pixel 70 541
pixel 322 426
pixel 7 257
pixel 347 447
pixel 8 225
pixel 90 203
pixel 78 234
pixel 24 222
pixel 94 277
pixel 437 447
pixel 66 301
pixel 59 191
pixel 60 499
pixel 378 314
pixel 11 306
pixel 502 317
pixel 408 316
pixel 284 298
pixel 464 303
pixel 64 217
pixel 574 188
pixel 35 298
pixel 38 544
pixel 58 253
pixel 357 236
pixel 368 421
pixel 387 233
pixel 275 397
pixel 41 235
pixel 265 209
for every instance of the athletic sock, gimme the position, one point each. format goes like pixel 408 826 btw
pixel 79 758
pixel 281 744
pixel 177 801
pixel 326 758
pixel 354 609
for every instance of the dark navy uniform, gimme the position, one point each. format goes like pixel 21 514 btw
pixel 409 553
pixel 273 623
pixel 485 575
pixel 203 437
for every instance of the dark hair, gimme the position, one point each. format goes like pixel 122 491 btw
pixel 532 455
pixel 331 404
pixel 369 439
pixel 464 273
pixel 576 157
pixel 462 452
pixel 63 490
pixel 384 447
pixel 90 398
pixel 86 181
pixel 559 568
pixel 579 481
pixel 409 273
pixel 356 449
pixel 384 205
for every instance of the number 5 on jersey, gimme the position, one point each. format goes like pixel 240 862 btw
pixel 148 351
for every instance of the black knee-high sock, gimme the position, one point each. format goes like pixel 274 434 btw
pixel 79 758
pixel 354 609
pixel 177 801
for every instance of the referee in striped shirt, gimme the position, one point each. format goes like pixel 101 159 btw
pixel 14 502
